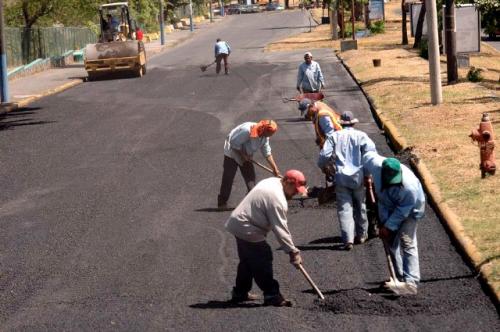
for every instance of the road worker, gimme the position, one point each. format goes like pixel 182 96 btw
pixel 239 147
pixel 264 209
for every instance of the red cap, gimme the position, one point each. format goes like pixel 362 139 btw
pixel 263 126
pixel 298 178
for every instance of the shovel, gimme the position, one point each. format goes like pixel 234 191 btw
pixel 311 282
pixel 396 286
pixel 204 67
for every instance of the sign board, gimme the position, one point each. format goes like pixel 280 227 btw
pixel 467 28
pixel 376 10
pixel 414 13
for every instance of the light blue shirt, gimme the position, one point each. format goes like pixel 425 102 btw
pixel 396 203
pixel 326 125
pixel 239 139
pixel 347 147
pixel 222 47
pixel 310 76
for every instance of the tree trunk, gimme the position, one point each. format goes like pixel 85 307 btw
pixel 420 26
pixel 403 28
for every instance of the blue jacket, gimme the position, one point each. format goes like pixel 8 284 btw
pixel 396 203
pixel 347 147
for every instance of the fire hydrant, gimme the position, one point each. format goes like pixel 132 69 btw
pixel 485 138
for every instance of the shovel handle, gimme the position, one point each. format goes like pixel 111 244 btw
pixel 264 167
pixel 311 282
pixel 389 261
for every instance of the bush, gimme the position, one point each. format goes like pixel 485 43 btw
pixel 423 49
pixel 377 27
pixel 474 74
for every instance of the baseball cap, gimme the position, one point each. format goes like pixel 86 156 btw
pixel 304 104
pixel 391 172
pixel 298 178
pixel 308 54
pixel 262 126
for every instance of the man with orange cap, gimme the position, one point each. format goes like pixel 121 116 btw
pixel 239 147
pixel 264 209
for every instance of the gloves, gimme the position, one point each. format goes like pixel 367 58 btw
pixel 295 259
pixel 386 234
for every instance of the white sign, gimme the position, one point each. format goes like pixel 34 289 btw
pixel 414 13
pixel 467 27
pixel 376 10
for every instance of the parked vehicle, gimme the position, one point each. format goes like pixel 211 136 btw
pixel 274 6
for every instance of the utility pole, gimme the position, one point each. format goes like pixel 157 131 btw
pixel 191 16
pixel 352 12
pixel 450 39
pixel 162 24
pixel 211 13
pixel 3 60
pixel 434 66
pixel 334 19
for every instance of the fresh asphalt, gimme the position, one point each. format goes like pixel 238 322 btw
pixel 108 194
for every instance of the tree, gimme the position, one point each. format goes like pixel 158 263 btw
pixel 29 13
pixel 490 15
pixel 404 31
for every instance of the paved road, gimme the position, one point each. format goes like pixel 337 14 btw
pixel 108 195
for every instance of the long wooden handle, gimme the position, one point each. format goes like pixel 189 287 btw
pixel 313 285
pixel 264 167
pixel 389 261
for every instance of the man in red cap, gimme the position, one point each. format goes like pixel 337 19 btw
pixel 264 209
pixel 240 145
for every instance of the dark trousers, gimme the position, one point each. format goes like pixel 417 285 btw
pixel 230 167
pixel 218 60
pixel 256 263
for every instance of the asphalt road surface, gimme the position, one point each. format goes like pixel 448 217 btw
pixel 108 196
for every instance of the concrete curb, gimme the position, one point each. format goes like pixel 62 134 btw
pixel 25 102
pixel 448 218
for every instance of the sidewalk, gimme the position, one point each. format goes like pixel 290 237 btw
pixel 25 90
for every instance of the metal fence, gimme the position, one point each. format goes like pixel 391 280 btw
pixel 25 45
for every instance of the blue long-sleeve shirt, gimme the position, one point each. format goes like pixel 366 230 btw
pixel 396 203
pixel 347 146
pixel 222 47
pixel 310 77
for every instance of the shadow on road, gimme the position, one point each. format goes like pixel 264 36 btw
pixel 20 117
pixel 214 209
pixel 224 305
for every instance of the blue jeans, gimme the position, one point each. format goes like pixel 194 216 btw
pixel 404 252
pixel 351 211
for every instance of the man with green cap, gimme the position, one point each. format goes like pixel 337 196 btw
pixel 401 203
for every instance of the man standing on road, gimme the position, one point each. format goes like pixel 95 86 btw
pixel 347 148
pixel 325 119
pixel 222 51
pixel 239 147
pixel 263 210
pixel 310 78
pixel 401 203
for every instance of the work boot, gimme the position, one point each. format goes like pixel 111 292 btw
pixel 238 298
pixel 277 301
pixel 347 246
pixel 360 239
pixel 221 204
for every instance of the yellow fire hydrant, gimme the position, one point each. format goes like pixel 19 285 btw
pixel 486 141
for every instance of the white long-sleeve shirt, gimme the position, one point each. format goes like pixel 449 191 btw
pixel 262 210
pixel 239 139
